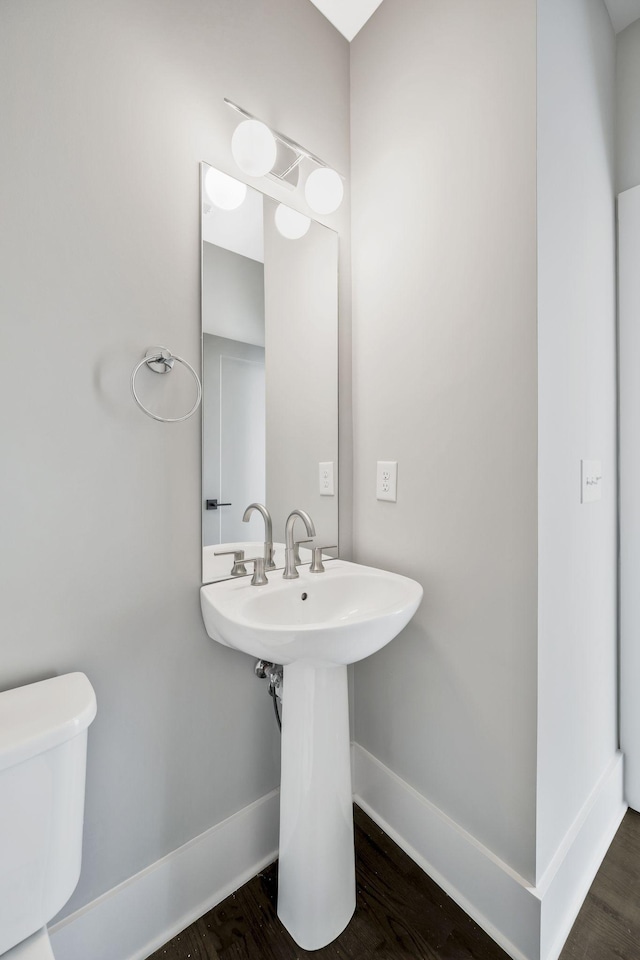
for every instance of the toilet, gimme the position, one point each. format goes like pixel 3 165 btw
pixel 43 750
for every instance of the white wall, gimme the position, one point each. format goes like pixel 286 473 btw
pixel 629 307
pixel 627 111
pixel 107 109
pixel 445 381
pixel 215 352
pixel 628 184
pixel 576 411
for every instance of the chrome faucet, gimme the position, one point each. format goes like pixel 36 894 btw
pixel 268 532
pixel 290 572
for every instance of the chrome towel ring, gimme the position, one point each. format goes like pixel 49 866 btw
pixel 161 360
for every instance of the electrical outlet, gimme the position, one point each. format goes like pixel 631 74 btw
pixel 387 480
pixel 327 482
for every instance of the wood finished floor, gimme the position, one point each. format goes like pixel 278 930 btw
pixel 403 915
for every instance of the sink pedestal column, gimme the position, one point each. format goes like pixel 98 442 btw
pixel 316 873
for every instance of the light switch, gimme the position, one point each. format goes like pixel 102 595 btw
pixel 327 484
pixel 591 480
pixel 387 480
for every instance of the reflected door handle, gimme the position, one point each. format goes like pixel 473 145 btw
pixel 213 504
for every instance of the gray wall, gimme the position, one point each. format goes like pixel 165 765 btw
pixel 445 381
pixel 301 324
pixel 577 657
pixel 232 295
pixel 627 107
pixel 106 110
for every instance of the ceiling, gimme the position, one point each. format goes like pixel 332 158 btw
pixel 623 12
pixel 349 16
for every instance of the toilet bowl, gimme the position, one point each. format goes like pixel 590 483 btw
pixel 43 750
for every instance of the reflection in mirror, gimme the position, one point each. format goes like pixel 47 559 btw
pixel 269 376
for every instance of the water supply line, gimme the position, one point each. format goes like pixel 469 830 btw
pixel 273 672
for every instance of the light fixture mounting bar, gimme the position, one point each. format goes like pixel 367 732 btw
pixel 291 167
pixel 292 144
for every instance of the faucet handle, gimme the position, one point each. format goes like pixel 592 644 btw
pixel 296 550
pixel 317 566
pixel 259 577
pixel 238 569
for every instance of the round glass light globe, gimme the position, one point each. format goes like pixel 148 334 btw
pixel 290 223
pixel 224 191
pixel 254 148
pixel 324 190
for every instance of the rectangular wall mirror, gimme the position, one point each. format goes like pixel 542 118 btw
pixel 269 374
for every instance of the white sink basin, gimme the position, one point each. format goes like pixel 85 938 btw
pixel 336 617
pixel 315 626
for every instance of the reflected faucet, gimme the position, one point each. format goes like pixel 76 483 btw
pixel 290 572
pixel 268 532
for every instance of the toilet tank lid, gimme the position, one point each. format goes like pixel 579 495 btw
pixel 43 715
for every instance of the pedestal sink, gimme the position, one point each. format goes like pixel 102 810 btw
pixel 314 626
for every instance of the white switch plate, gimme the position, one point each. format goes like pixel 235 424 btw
pixel 590 480
pixel 327 483
pixel 387 480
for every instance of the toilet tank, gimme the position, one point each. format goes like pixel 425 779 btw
pixel 43 749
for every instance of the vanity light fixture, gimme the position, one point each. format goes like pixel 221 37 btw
pixel 254 148
pixel 290 223
pixel 225 192
pixel 261 151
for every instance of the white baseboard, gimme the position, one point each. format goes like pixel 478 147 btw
pixel 566 883
pixel 529 923
pixel 138 916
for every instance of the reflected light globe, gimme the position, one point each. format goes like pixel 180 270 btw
pixel 224 191
pixel 290 223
